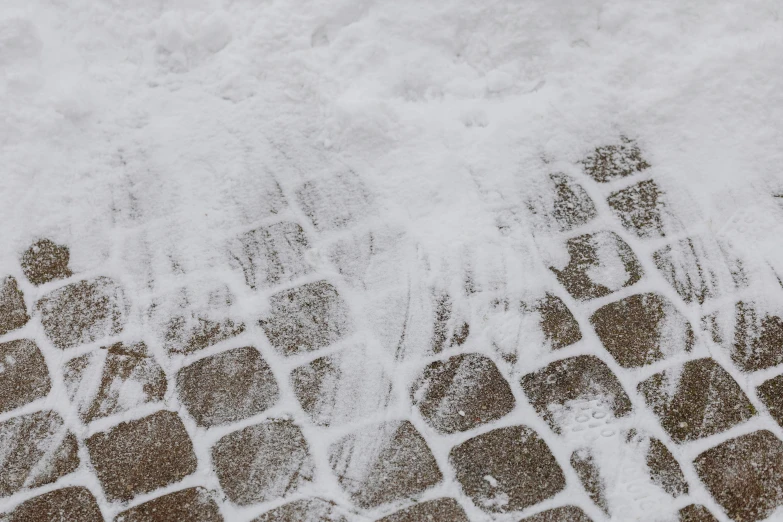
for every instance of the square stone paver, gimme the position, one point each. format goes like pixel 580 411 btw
pixel 227 387
pixel 507 469
pixel 262 462
pixel 46 261
pixel 745 475
pixel 589 475
pixel 664 469
pixel 13 311
pixel 598 264
pixel 383 462
pixel 61 505
pixel 614 161
pixel 699 269
pixel 446 509
pixel 142 455
pixel 306 318
pixel 752 333
pixel 24 376
pixel 334 202
pixel 572 206
pixel 343 387
pixel 194 504
pixel 771 394
pixel 83 312
pixel 641 209
pixel 462 392
pixel 557 323
pixel 642 329
pixel 584 377
pixel 696 513
pixel 696 400
pixel 129 377
pixel 37 449
pixel 559 514
pixel 305 510
pixel 271 255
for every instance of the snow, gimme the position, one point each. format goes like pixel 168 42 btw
pixel 145 134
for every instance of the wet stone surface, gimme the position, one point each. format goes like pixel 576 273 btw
pixel 37 449
pixel 262 462
pixel 306 318
pixel 641 209
pixel 305 510
pixel 46 261
pixel 560 514
pixel 598 265
pixel 461 392
pixel 642 329
pixel 142 455
pixel 13 312
pixel 383 463
pixel 752 332
pixel 558 324
pixel 83 312
pixel 696 513
pixel 342 387
pixel 614 161
pixel 129 377
pixel 430 511
pixel 696 400
pixel 271 255
pixel 227 387
pixel 771 394
pixel 61 505
pixel 24 376
pixel 194 504
pixel 507 469
pixel 584 377
pixel 745 475
pixel 586 469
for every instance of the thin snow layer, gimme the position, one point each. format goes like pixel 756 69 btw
pixel 149 135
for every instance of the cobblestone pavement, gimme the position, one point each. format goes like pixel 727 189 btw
pixel 286 410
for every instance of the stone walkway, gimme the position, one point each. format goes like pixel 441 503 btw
pixel 286 414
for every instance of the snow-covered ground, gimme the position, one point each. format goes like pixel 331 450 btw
pixel 413 143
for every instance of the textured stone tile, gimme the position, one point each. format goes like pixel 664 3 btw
pixel 83 312
pixel 271 255
pixel 23 374
pixel 194 504
pixel 771 394
pixel 342 387
pixel 584 464
pixel 13 312
pixel 442 509
pixel 699 269
pixel 262 462
pixel 584 377
pixel 614 161
pixel 559 514
pixel 334 202
pixel 306 318
pixel 45 261
pixel 142 455
pixel 507 469
pixel 227 387
pixel 557 323
pixel 664 469
pixel 61 505
pixel 382 463
pixel 745 475
pixel 305 510
pixel 641 209
pixel 461 393
pixel 752 332
pixel 196 319
pixel 37 449
pixel 642 329
pixel 696 400
pixel 598 264
pixel 571 207
pixel 696 513
pixel 127 376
